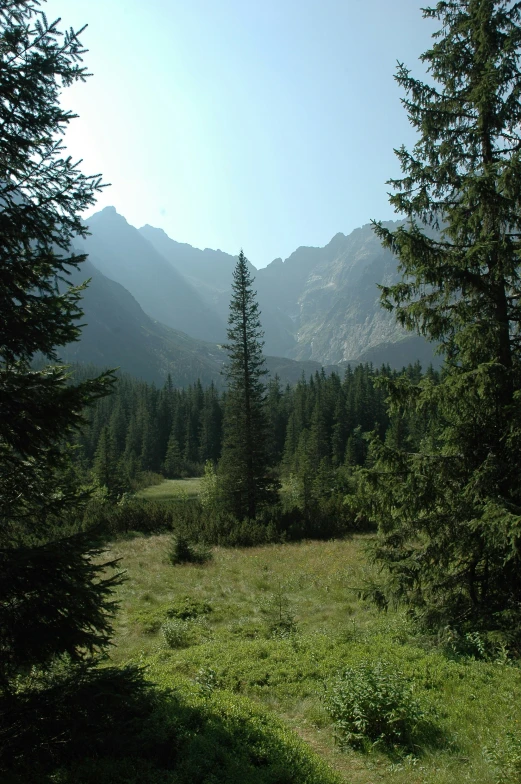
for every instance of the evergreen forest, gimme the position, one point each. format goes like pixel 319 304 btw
pixel 317 433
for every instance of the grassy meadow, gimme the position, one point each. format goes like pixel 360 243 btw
pixel 170 490
pixel 265 633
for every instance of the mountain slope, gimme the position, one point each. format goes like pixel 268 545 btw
pixel 117 333
pixel 121 253
pixel 332 297
pixel 320 304
pixel 210 272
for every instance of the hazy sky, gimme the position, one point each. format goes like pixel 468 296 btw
pixel 262 124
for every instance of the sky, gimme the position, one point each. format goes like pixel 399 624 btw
pixel 261 124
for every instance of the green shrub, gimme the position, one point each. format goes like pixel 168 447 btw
pixel 374 704
pixel 207 680
pixel 176 633
pixel 182 550
pixel 146 479
pixel 188 609
pixel 505 758
pixel 130 514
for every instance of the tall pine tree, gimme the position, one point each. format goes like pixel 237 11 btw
pixel 450 512
pixel 52 595
pixel 245 480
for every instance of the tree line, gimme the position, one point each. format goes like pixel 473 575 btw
pixel 322 420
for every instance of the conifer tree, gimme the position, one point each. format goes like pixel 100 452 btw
pixel 106 469
pixel 449 513
pixel 52 599
pixel 210 428
pixel 245 480
pixel 173 464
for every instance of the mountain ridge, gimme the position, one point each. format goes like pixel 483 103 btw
pixel 122 254
pixel 319 304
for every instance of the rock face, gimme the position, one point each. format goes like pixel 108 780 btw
pixel 332 297
pixel 320 304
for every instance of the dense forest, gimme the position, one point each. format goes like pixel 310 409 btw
pixel 321 422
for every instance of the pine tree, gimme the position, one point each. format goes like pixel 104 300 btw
pixel 210 430
pixel 244 475
pixel 52 595
pixel 173 464
pixel 106 469
pixel 449 513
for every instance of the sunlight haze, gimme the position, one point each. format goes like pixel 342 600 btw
pixel 262 125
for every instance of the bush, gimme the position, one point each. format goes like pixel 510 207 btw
pixel 182 550
pixel 188 609
pixel 505 758
pixel 176 633
pixel 129 514
pixel 373 704
pixel 146 479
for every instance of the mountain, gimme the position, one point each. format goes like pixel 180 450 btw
pixel 123 254
pixel 332 298
pixel 320 304
pixel 117 333
pixel 210 272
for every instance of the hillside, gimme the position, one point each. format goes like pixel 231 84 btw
pixel 117 333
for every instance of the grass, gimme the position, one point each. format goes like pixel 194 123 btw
pixel 173 490
pixel 233 650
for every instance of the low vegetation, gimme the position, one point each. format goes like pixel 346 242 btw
pixel 282 634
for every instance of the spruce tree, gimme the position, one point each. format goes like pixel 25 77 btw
pixel 52 595
pixel 449 512
pixel 106 469
pixel 245 480
pixel 173 464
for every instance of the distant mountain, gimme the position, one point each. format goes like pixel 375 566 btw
pixel 210 272
pixel 117 333
pixel 332 298
pixel 123 254
pixel 320 304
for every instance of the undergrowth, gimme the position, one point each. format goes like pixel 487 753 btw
pixel 285 626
